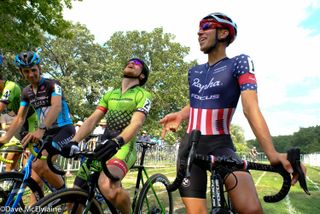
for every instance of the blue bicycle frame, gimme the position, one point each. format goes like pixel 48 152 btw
pixel 19 189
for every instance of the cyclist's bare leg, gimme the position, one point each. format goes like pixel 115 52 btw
pixel 37 179
pixel 14 156
pixel 244 196
pixel 113 191
pixel 195 205
pixel 43 170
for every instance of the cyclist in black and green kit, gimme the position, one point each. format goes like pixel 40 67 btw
pixel 126 109
pixel 10 93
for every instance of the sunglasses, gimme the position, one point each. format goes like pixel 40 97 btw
pixel 136 62
pixel 207 24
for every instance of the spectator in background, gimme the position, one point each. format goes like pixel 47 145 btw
pixel 144 137
pixel 253 154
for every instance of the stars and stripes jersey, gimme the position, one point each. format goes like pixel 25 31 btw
pixel 215 91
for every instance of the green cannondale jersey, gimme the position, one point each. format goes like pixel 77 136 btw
pixel 10 95
pixel 119 107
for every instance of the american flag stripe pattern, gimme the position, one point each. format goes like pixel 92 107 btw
pixel 210 121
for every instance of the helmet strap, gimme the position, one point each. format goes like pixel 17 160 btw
pixel 131 77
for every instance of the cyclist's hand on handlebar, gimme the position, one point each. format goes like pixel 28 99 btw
pixel 170 122
pixel 106 150
pixel 282 158
pixel 33 137
pixel 70 149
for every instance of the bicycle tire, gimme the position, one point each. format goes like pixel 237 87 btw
pixel 8 179
pixel 147 201
pixel 58 202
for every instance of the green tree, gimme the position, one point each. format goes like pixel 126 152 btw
pixel 24 23
pixel 237 135
pixel 80 65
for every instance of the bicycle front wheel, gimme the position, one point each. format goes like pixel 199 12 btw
pixel 71 200
pixel 10 183
pixel 154 197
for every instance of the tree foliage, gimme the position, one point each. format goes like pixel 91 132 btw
pixel 307 139
pixel 80 65
pixel 25 22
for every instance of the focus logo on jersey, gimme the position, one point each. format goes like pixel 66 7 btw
pixel 57 89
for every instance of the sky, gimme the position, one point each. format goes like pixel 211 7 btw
pixel 282 37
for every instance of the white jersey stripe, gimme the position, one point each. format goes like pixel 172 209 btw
pixel 209 126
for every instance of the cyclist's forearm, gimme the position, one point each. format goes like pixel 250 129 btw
pixel 185 112
pixel 54 111
pixel 261 131
pixel 88 126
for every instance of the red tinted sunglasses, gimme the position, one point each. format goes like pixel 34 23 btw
pixel 206 24
pixel 136 62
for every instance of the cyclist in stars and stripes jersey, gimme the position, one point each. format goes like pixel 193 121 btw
pixel 214 91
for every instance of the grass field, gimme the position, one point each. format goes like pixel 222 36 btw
pixel 266 183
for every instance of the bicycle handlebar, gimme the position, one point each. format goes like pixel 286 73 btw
pixel 91 155
pixel 293 157
pixel 10 147
pixel 47 145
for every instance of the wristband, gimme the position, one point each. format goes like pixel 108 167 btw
pixel 43 127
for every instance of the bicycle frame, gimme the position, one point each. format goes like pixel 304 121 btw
pixel 142 177
pixel 17 191
pixel 142 171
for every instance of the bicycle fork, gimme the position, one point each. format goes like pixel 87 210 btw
pixel 218 202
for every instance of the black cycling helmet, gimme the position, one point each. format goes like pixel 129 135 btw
pixel 145 70
pixel 225 22
pixel 27 59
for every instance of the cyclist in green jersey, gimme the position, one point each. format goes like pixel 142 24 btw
pixel 126 109
pixel 10 101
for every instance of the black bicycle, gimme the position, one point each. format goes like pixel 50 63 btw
pixel 219 203
pixel 153 197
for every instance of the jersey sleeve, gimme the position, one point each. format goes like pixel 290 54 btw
pixel 56 88
pixel 103 103
pixel 244 71
pixel 24 98
pixel 143 100
pixel 7 94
